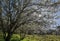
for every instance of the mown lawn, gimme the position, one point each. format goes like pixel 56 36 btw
pixel 16 37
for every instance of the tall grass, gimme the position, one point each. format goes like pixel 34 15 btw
pixel 16 37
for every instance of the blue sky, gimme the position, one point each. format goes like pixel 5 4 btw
pixel 58 20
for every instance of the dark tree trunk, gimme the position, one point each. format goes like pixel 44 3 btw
pixel 8 37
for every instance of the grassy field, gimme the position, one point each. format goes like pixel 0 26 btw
pixel 16 37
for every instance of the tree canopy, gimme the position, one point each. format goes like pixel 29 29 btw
pixel 14 13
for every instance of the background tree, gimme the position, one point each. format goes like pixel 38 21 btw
pixel 58 30
pixel 14 13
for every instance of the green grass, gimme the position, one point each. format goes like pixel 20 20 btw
pixel 43 38
pixel 16 37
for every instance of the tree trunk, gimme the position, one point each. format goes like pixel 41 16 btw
pixel 8 37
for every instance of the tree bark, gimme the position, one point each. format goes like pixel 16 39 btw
pixel 8 37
